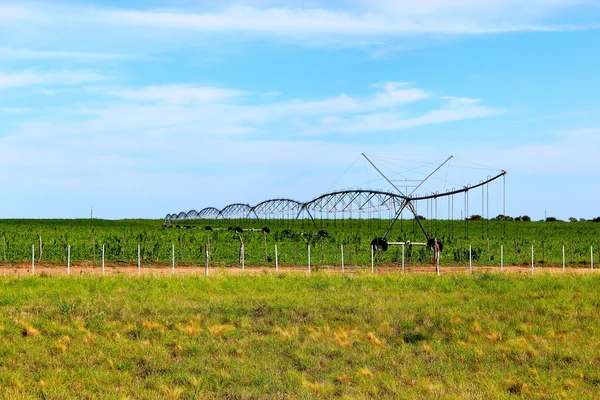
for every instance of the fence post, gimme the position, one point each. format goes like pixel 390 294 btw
pixel 207 257
pixel 69 260
pixel 470 259
pixel 139 262
pixel 276 259
pixel 102 259
pixel 532 260
pixel 309 258
pixel 372 260
pixel 243 259
pixel 501 258
pixel 436 255
pixel 402 257
pixel 172 259
pixel 342 248
pixel 564 259
pixel 33 258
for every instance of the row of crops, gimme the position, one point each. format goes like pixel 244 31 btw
pixel 188 241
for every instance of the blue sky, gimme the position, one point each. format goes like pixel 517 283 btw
pixel 143 108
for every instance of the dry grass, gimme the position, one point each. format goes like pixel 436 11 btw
pixel 300 337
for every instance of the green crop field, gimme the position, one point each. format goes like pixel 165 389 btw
pixel 51 239
pixel 300 336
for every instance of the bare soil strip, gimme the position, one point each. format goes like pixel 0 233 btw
pixel 89 268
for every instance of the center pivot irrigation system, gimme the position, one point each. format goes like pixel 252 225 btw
pixel 357 202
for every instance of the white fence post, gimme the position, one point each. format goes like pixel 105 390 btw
pixel 33 258
pixel 172 259
pixel 69 260
pixel 532 260
pixel 402 257
pixel 372 260
pixel 102 259
pixel 243 259
pixel 276 259
pixel 470 259
pixel 342 248
pixel 206 264
pixel 564 259
pixel 436 255
pixel 309 258
pixel 501 258
pixel 139 262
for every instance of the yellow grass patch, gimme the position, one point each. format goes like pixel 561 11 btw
pixel 343 378
pixel 30 331
pixel 494 336
pixel 570 384
pixel 286 334
pixel 476 328
pixel 374 340
pixel 152 326
pixel 220 329
pixel 343 337
pixel 319 333
pixel 317 388
pixel 172 392
pixel 192 328
pixel 365 372
pixel 63 344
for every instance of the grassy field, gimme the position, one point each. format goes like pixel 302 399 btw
pixel 300 336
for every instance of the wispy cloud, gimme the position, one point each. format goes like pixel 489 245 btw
pixel 178 94
pixel 450 111
pixel 10 54
pixel 375 18
pixel 200 112
pixel 88 29
pixel 34 77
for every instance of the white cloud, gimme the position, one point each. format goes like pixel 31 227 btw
pixel 393 121
pixel 386 18
pixel 232 111
pixel 11 54
pixel 59 78
pixel 178 94
pixel 152 118
pixel 390 95
pixel 85 30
